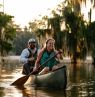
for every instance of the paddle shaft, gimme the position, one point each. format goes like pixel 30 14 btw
pixel 21 81
pixel 45 62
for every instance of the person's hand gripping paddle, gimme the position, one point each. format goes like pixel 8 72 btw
pixel 22 80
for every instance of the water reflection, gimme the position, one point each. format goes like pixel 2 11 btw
pixel 8 70
pixel 42 92
pixel 26 91
pixel 82 79
pixel 81 82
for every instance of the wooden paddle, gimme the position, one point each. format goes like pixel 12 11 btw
pixel 21 81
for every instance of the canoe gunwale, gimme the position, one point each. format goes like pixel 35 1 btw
pixel 50 79
pixel 52 71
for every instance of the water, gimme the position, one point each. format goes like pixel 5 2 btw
pixel 81 82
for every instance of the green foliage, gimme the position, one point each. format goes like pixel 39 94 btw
pixel 33 26
pixel 91 32
pixel 7 33
pixel 41 32
pixel 6 46
pixel 5 19
pixel 21 41
pixel 91 37
pixel 10 33
pixel 55 23
pixel 76 35
pixel 57 34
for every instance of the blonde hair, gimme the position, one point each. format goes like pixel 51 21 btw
pixel 47 42
pixel 42 50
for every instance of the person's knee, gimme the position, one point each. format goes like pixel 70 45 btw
pixel 26 69
pixel 45 70
pixel 54 67
pixel 25 65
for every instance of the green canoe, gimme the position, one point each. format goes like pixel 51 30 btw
pixel 56 79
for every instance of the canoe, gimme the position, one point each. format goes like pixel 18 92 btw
pixel 56 79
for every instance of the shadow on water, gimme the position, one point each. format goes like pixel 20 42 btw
pixel 52 92
pixel 9 72
pixel 28 91
pixel 81 82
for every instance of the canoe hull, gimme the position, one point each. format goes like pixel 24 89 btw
pixel 56 79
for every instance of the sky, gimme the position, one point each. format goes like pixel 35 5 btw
pixel 25 11
pixel 86 9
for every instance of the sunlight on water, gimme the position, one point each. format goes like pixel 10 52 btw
pixel 12 92
pixel 12 58
pixel 81 82
pixel 16 75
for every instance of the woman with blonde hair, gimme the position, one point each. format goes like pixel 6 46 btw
pixel 45 53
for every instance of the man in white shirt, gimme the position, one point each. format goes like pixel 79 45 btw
pixel 28 56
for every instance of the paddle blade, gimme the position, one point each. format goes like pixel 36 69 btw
pixel 21 81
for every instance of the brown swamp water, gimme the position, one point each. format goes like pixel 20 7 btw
pixel 81 82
